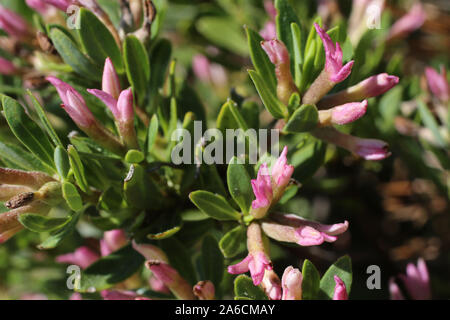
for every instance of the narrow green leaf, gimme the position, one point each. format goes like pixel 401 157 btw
pixel 244 288
pixel 137 66
pixel 71 55
pixel 286 15
pixel 298 52
pixel 260 60
pixel 62 163
pixel 58 235
pixel 231 242
pixel 179 258
pixel 341 268
pixel 97 41
pixel 77 168
pixel 271 102
pixel 109 270
pixel 303 119
pixel 152 133
pixel 72 197
pixel 27 131
pixel 18 158
pixel 311 281
pixel 38 223
pixel 224 32
pixel 239 184
pixel 214 205
pixel 44 120
pixel 430 123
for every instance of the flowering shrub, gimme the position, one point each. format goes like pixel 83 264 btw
pixel 119 175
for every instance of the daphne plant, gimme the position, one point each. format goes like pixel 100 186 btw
pixel 104 167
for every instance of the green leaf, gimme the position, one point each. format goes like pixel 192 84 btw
pixel 308 159
pixel 286 15
pixel 244 288
pixel 62 163
pixel 152 133
pixel 77 168
pixel 72 197
pixel 38 223
pixel 311 281
pixel 239 184
pixel 212 261
pixel 179 258
pixel 44 120
pixel 194 215
pixel 97 41
pixel 297 43
pixel 303 119
pixel 341 268
pixel 109 270
pixel 214 205
pixel 58 235
pixel 17 158
pixel 71 55
pixel 140 190
pixel 430 123
pixel 224 32
pixel 137 66
pixel 159 61
pixel 260 60
pixel 27 131
pixel 231 242
pixel 270 101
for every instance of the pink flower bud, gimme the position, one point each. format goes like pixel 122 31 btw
pixel 269 32
pixel 410 22
pixel 279 56
pixel 281 171
pixel 125 106
pixel 333 55
pixel 112 241
pixel 256 263
pixel 157 285
pixel 82 257
pixel 7 67
pixel 60 4
pixel 438 83
pixel 348 112
pixel 38 5
pixel 204 290
pixel 270 9
pixel 150 252
pixel 371 149
pixel 76 296
pixel 13 24
pixel 110 80
pixel 108 100
pixel 377 85
pixel 271 285
pixel 120 295
pixel 277 52
pixel 292 284
pixel 171 278
pixel 394 290
pixel 262 188
pixel 73 103
pixel 417 281
pixel 201 67
pixel 292 228
pixel 340 292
